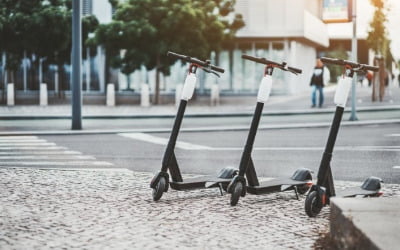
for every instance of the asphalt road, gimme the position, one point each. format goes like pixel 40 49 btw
pixel 189 122
pixel 360 151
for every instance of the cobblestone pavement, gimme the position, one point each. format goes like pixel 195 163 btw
pixel 113 209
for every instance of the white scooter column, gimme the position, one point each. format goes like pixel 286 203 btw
pixel 342 91
pixel 265 89
pixel 189 86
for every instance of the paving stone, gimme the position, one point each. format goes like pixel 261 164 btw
pixel 47 209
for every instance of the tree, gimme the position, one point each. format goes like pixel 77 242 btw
pixel 147 29
pixel 379 42
pixel 377 38
pixel 41 28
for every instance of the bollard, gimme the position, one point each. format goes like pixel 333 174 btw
pixel 145 95
pixel 10 94
pixel 43 94
pixel 178 94
pixel 214 95
pixel 110 98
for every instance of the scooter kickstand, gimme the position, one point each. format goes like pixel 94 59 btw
pixel 296 192
pixel 220 188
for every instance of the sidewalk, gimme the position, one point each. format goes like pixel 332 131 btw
pixel 230 106
pixel 113 209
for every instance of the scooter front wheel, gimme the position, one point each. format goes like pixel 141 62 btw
pixel 236 193
pixel 313 205
pixel 159 189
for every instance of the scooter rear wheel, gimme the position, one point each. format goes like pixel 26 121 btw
pixel 313 205
pixel 159 188
pixel 236 193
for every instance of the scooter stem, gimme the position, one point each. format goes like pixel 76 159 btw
pixel 244 161
pixel 174 135
pixel 324 172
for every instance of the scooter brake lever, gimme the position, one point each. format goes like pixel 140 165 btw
pixel 210 71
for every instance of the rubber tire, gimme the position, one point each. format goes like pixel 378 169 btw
pixel 311 206
pixel 236 193
pixel 159 188
pixel 302 189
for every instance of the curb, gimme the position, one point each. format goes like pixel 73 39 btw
pixel 365 223
pixel 200 115
pixel 197 129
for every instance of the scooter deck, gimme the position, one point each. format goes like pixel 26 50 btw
pixel 198 182
pixel 274 185
pixel 354 191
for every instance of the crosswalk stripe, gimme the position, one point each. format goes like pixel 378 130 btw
pixel 22 141
pixel 32 148
pixel 18 144
pixel 55 163
pixel 30 151
pixel 65 152
pixel 17 137
pixel 47 157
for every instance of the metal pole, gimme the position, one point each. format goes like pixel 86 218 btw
pixel 353 116
pixel 76 65
pixel 24 70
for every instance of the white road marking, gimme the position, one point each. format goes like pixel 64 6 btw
pixel 68 152
pixel 392 135
pixel 191 146
pixel 31 148
pixel 164 141
pixel 18 144
pixel 51 163
pixel 12 137
pixel 396 167
pixel 21 141
pixel 47 157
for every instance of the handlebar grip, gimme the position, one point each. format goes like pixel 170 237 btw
pixel 298 71
pixel 173 54
pixel 196 61
pixel 369 67
pixel 331 61
pixel 218 69
pixel 259 60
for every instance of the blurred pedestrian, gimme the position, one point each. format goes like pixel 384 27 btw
pixel 320 77
pixel 398 77
pixel 369 76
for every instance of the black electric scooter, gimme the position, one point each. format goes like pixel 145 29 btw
pixel 161 181
pixel 301 180
pixel 319 194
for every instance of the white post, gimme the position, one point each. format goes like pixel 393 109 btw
pixel 40 71
pixel 43 94
pixel 110 98
pixel 145 95
pixel 56 80
pixel 10 94
pixel 214 97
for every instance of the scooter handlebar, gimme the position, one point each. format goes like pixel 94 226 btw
pixel 281 66
pixel 194 60
pixel 349 63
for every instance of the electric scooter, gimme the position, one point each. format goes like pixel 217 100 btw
pixel 161 180
pixel 319 194
pixel 301 180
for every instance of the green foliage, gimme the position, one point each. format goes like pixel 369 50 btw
pixel 337 52
pixel 377 36
pixel 40 27
pixel 147 29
